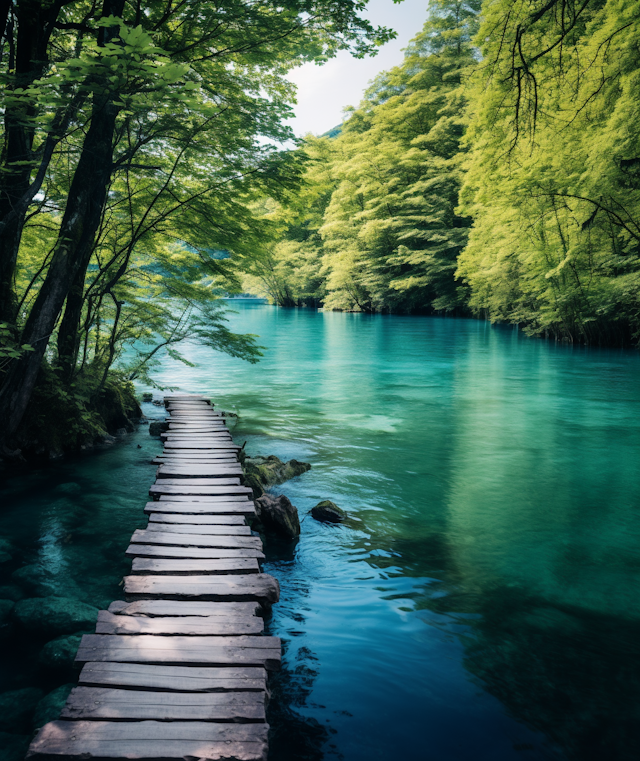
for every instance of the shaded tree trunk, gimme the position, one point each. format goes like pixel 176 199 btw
pixel 81 220
pixel 35 22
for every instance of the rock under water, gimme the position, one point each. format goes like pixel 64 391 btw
pixel 53 616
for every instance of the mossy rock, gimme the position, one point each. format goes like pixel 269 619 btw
pixel 54 616
pixel 60 653
pixel 271 470
pixel 13 747
pixel 17 708
pixel 48 709
pixel 36 580
pixel 327 511
pixel 11 592
pixel 6 606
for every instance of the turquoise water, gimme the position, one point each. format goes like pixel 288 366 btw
pixel 484 606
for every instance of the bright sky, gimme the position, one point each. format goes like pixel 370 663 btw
pixel 324 91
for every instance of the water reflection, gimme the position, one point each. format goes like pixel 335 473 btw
pixel 486 607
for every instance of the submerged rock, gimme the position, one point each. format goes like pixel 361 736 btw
pixel 6 607
pixel 48 709
pixel 147 396
pixel 11 592
pixel 6 627
pixel 13 747
pixel 328 512
pixel 157 427
pixel 59 654
pixel 263 472
pixel 52 616
pixel 277 514
pixel 17 708
pixel 35 580
pixel 6 550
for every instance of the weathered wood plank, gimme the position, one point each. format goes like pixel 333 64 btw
pixel 174 678
pixel 206 499
pixel 211 651
pixel 213 506
pixel 168 551
pixel 143 536
pixel 228 610
pixel 195 566
pixel 187 489
pixel 166 471
pixel 150 741
pixel 178 528
pixel 110 623
pixel 200 446
pixel 189 460
pixel 199 481
pixel 250 586
pixel 201 432
pixel 195 520
pixel 91 703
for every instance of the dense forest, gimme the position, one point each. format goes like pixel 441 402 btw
pixel 495 172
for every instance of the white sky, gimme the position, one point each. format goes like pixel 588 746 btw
pixel 324 91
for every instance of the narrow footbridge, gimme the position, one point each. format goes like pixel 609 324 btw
pixel 180 669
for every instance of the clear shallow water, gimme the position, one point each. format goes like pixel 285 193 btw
pixel 486 607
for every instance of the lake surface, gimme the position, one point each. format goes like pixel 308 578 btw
pixel 484 602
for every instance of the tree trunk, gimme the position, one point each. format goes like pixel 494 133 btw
pixel 81 220
pixel 35 22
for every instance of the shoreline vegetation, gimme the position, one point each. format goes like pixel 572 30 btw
pixel 494 173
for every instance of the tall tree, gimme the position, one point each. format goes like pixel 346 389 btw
pixel 123 74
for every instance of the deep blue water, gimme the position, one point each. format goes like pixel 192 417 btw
pixel 483 605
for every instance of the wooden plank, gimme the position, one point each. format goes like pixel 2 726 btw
pixel 195 566
pixel 192 429
pixel 95 703
pixel 199 470
pixel 174 678
pixel 212 506
pixel 190 460
pixel 214 436
pixel 144 536
pixel 200 446
pixel 194 414
pixel 205 499
pixel 168 551
pixel 242 587
pixel 199 481
pixel 150 741
pixel 196 520
pixel 110 623
pixel 198 456
pixel 179 528
pixel 228 610
pixel 215 429
pixel 203 651
pixel 187 489
pixel 149 643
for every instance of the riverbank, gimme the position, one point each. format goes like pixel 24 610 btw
pixel 63 420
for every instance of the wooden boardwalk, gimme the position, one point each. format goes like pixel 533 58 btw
pixel 179 670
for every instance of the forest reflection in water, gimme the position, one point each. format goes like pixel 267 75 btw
pixel 482 606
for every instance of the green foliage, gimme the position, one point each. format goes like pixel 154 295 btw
pixel 186 104
pixel 504 180
pixel 552 179
pixel 376 228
